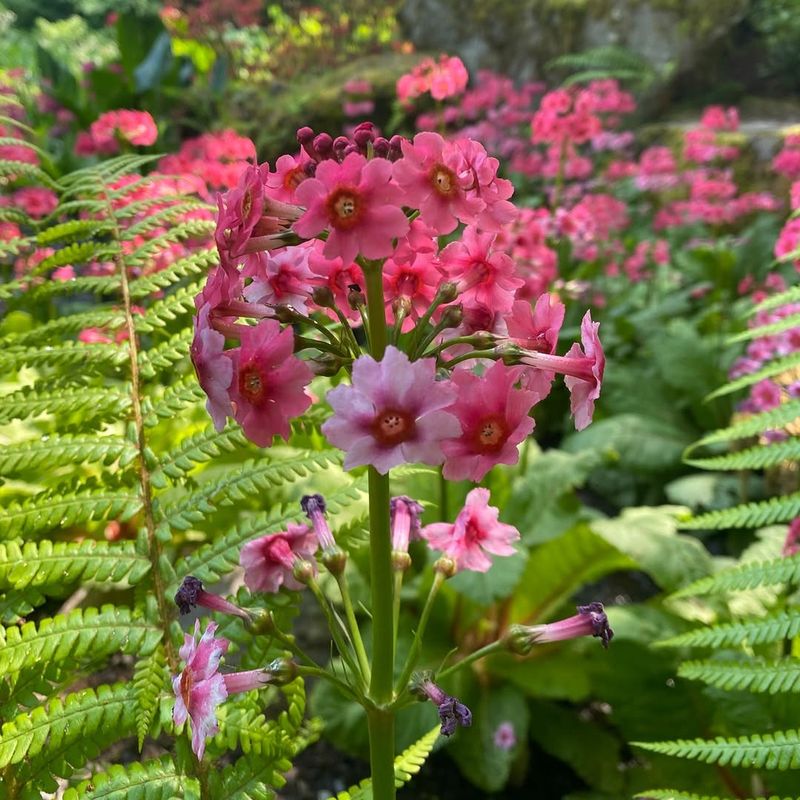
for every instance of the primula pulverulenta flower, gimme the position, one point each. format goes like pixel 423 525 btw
pixel 452 712
pixel 240 209
pixel 404 515
pixel 475 532
pixel 494 420
pixel 591 620
pixel 268 386
pixel 359 205
pixel 436 179
pixel 269 561
pixel 582 368
pixel 281 277
pixel 392 413
pixel 199 689
pixel 214 368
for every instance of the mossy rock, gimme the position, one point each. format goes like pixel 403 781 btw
pixel 271 115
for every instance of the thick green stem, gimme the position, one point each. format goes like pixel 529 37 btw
pixel 352 622
pixel 381 721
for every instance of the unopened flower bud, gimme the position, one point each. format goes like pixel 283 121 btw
pixel 447 292
pixel 339 145
pixel 303 571
pixel 446 566
pixel 401 561
pixel 401 308
pixel 326 364
pixel 380 147
pixel 323 297
pixel 395 147
pixel 335 560
pixel 364 134
pixel 323 144
pixel 283 671
pixel 355 297
pixel 452 317
pixel 305 137
pixel 288 314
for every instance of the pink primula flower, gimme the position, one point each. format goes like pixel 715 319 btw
pixel 359 205
pixel 475 532
pixel 269 561
pixel 494 420
pixel 282 278
pixel 199 689
pixel 436 178
pixel 214 367
pixel 268 386
pixel 240 209
pixel 415 280
pixel 392 413
pixel 290 172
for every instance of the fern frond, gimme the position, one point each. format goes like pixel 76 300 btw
pixel 71 230
pixel 21 169
pixel 92 403
pixel 170 308
pixel 83 632
pixel 51 509
pixel 250 778
pixel 747 576
pixel 675 794
pixel 61 722
pixel 150 679
pixel 166 354
pixel 791 295
pixel 780 750
pixel 756 457
pixel 44 563
pixel 189 229
pixel 752 425
pixel 56 329
pixel 176 397
pixel 56 451
pixel 158 779
pixel 248 478
pixel 763 677
pixel 171 213
pixel 773 367
pixel 198 263
pixel 750 515
pixel 784 324
pixel 200 448
pixel 16 604
pixel 68 354
pixel 75 253
pixel 213 560
pixel 249 729
pixel 406 765
pixel 91 284
pixel 784 625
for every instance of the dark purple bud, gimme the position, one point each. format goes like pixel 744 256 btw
pixel 310 168
pixel 452 714
pixel 311 503
pixel 323 144
pixel 186 596
pixel 351 148
pixel 381 147
pixel 355 297
pixel 305 136
pixel 314 507
pixel 364 134
pixel 395 147
pixel 599 621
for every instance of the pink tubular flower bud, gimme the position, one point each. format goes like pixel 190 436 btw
pixel 314 507
pixel 452 712
pixel 191 594
pixel 405 521
pixel 591 620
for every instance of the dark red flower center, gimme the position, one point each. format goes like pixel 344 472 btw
pixel 344 207
pixel 247 203
pixel 293 178
pixel 407 284
pixel 186 686
pixel 392 427
pixel 252 385
pixel 443 180
pixel 491 434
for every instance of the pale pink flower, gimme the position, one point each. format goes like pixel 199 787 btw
pixel 505 738
pixel 475 532
pixel 484 276
pixel 494 420
pixel 359 205
pixel 199 688
pixel 435 177
pixel 392 413
pixel 240 209
pixel 269 561
pixel 214 367
pixel 290 172
pixel 405 516
pixel 488 187
pixel 281 277
pixel 415 280
pixel 268 385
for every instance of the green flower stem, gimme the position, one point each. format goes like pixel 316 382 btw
pixel 444 505
pixel 304 343
pixel 398 585
pixel 488 650
pixel 323 674
pixel 347 333
pixel 337 631
pixel 474 354
pixel 422 322
pixel 416 645
pixel 471 340
pixel 380 718
pixel 352 622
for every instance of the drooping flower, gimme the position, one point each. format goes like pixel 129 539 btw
pixel 214 367
pixel 392 413
pixel 475 532
pixel 240 209
pixel 494 420
pixel 314 507
pixel 268 386
pixel 404 515
pixel 591 620
pixel 435 176
pixel 200 688
pixel 582 368
pixel 269 561
pixel 191 593
pixel 452 712
pixel 359 205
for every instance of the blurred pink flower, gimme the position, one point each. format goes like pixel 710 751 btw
pixel 269 561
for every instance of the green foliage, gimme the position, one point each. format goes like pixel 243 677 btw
pixel 108 503
pixel 608 61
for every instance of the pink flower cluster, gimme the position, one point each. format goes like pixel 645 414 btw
pixel 441 79
pixel 136 128
pixel 787 161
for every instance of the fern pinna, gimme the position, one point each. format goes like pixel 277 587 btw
pixel 748 656
pixel 106 502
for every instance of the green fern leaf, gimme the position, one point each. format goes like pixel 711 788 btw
pixel 57 451
pixel 174 212
pixel 193 228
pixel 73 229
pixel 784 324
pixel 406 765
pixel 780 750
pixel 170 308
pixel 21 169
pixel 91 403
pixel 16 604
pixel 774 367
pixel 791 295
pixel 92 284
pixel 78 715
pixel 757 676
pixel 751 515
pixel 784 625
pixel 151 780
pixel 83 632
pixel 757 457
pixel 248 478
pixel 165 355
pixel 48 510
pixel 200 448
pixel 56 330
pixel 42 564
pixel 752 425
pixel 674 794
pixel 249 729
pixel 747 576
pixel 75 253
pixel 68 354
pixel 250 778
pixel 150 680
pixel 193 266
pixel 176 398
